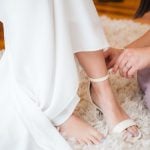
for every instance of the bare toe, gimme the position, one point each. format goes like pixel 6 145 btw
pixel 94 140
pixel 126 134
pixel 76 128
pixel 133 130
pixel 80 141
pixel 85 141
pixel 97 135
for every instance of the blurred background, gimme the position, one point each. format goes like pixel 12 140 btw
pixel 115 9
pixel 1 37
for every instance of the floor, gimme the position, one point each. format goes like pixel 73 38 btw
pixel 119 33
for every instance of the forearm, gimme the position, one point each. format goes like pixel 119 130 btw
pixel 143 41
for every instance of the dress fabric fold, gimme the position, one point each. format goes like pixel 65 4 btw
pixel 38 72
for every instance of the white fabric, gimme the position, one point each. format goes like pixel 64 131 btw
pixel 38 74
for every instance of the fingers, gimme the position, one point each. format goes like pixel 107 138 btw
pixel 111 63
pixel 131 72
pixel 107 54
pixel 119 60
pixel 128 71
pixel 111 56
pixel 125 65
pixel 125 70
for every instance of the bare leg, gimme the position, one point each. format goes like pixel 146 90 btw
pixel 94 65
pixel 75 127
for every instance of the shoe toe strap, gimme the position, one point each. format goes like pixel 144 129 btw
pixel 123 125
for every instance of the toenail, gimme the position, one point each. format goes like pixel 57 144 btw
pixel 130 135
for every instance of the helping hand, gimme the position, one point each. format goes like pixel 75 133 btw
pixel 111 56
pixel 132 60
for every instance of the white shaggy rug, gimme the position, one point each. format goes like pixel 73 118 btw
pixel 119 34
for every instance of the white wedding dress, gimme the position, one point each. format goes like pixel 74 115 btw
pixel 38 71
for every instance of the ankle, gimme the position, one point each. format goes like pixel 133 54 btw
pixel 101 86
pixel 103 93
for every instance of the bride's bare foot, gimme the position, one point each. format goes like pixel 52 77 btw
pixel 103 97
pixel 76 128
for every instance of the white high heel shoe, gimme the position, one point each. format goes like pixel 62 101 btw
pixel 121 126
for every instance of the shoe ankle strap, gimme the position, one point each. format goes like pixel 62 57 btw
pixel 99 79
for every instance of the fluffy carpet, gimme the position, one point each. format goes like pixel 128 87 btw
pixel 119 34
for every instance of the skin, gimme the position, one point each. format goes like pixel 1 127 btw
pixel 74 127
pixel 94 65
pixel 132 60
pixel 136 56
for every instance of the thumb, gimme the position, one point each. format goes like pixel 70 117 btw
pixel 107 53
pixel 111 63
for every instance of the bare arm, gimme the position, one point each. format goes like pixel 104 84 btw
pixel 143 41
pixel 135 57
pixel 112 54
